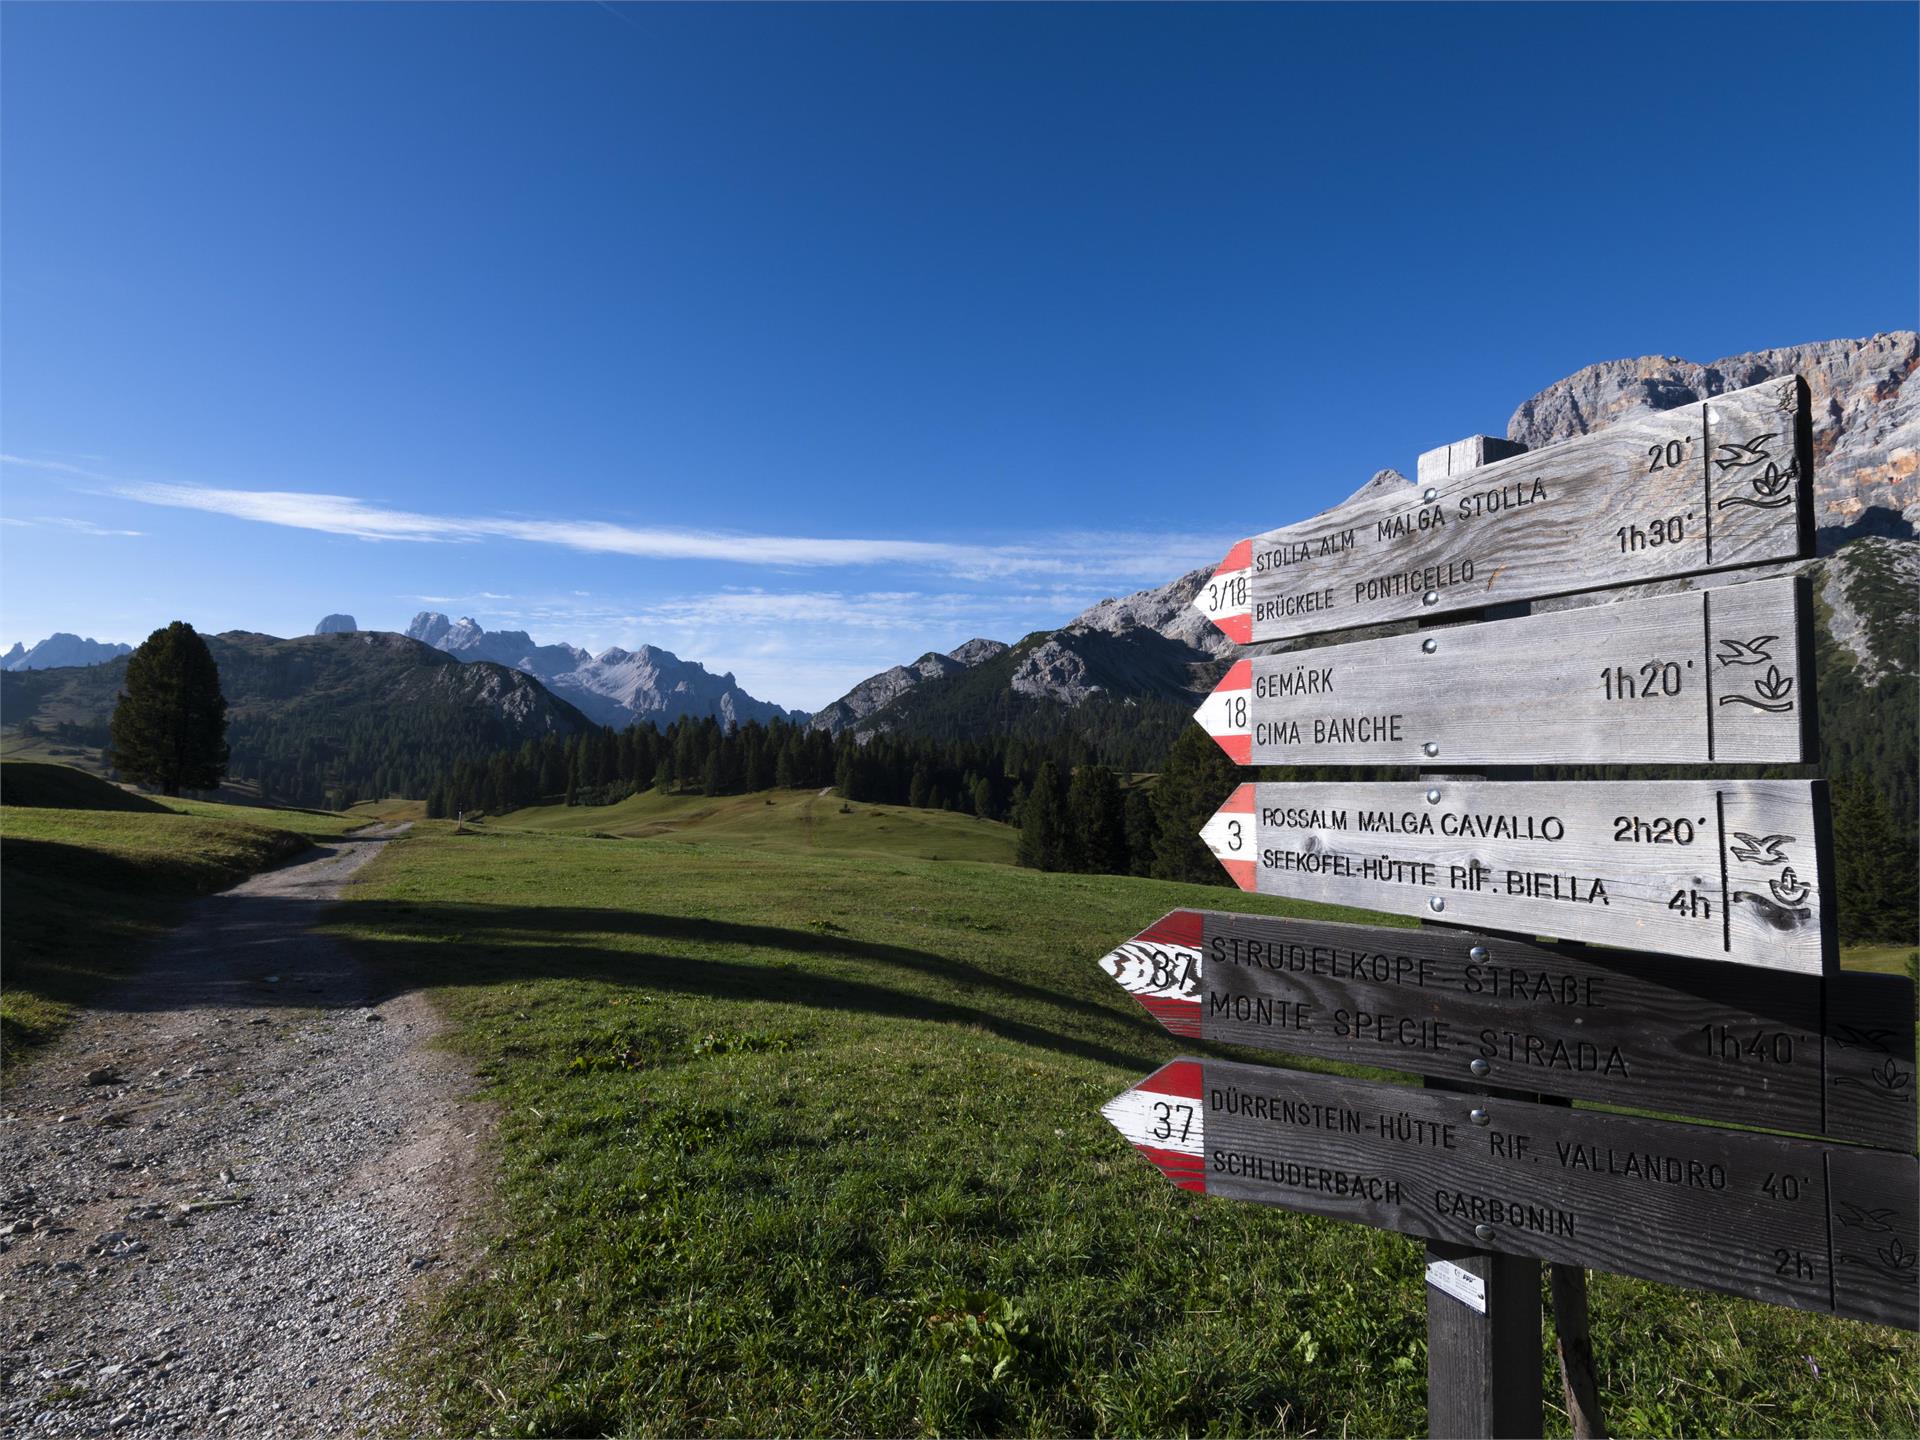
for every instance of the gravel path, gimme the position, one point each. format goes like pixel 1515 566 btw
pixel 219 1191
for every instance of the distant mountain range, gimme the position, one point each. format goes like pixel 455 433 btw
pixel 1153 649
pixel 616 687
pixel 323 719
pixel 59 649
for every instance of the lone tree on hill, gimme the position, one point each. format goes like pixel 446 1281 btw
pixel 170 725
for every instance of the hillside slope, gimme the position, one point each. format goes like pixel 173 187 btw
pixel 324 719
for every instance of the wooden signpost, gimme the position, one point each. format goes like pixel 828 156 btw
pixel 1729 870
pixel 1724 999
pixel 1818 1055
pixel 1712 676
pixel 1793 1222
pixel 1723 483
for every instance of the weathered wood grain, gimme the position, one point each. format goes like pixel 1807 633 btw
pixel 1714 676
pixel 1790 1222
pixel 1726 870
pixel 1824 1056
pixel 1723 483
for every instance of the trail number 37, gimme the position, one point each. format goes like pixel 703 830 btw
pixel 1164 1121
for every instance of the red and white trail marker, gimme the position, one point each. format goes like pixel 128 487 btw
pixel 1161 967
pixel 1161 1118
pixel 1224 598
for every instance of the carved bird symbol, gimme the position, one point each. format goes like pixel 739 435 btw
pixel 1760 849
pixel 1748 652
pixel 1740 455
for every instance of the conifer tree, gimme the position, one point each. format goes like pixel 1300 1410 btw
pixel 169 727
pixel 1041 821
pixel 1876 883
pixel 1096 822
pixel 1197 778
pixel 1143 830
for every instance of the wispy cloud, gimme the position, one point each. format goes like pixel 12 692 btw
pixel 1078 554
pixel 68 522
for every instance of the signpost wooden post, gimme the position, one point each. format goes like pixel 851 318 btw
pixel 1724 1000
pixel 1791 1051
pixel 1718 869
pixel 1713 676
pixel 1724 483
pixel 1793 1222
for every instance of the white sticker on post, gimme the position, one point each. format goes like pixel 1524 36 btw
pixel 1463 1285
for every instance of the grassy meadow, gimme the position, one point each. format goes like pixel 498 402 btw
pixel 800 1135
pixel 781 820
pixel 90 872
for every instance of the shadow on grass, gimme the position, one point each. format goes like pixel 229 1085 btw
pixel 77 919
pixel 414 945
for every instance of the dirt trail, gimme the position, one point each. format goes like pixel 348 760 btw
pixel 220 1238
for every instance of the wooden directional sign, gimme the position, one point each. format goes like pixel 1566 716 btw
pixel 1714 676
pixel 1793 1222
pixel 1722 483
pixel 1724 870
pixel 1690 1037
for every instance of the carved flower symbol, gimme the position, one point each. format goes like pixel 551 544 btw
pixel 1774 685
pixel 1889 1077
pixel 1772 480
pixel 1898 1257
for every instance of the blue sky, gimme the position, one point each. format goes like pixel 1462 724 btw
pixel 803 340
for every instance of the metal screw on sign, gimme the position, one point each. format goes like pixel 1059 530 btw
pixel 1436 904
pixel 1433 797
pixel 1478 952
pixel 1429 646
pixel 1479 1067
pixel 1431 748
pixel 1478 1115
pixel 1483 1232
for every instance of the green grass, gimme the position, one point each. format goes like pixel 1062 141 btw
pixel 1887 959
pixel 92 876
pixel 781 820
pixel 387 812
pixel 796 1142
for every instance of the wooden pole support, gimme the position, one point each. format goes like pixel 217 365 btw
pixel 1573 1343
pixel 1483 1364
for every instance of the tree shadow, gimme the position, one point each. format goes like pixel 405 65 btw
pixel 413 945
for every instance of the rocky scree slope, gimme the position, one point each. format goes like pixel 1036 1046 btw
pixel 883 689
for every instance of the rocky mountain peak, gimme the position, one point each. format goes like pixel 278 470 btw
pixel 61 649
pixel 616 687
pixel 336 625
pixel 1866 418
